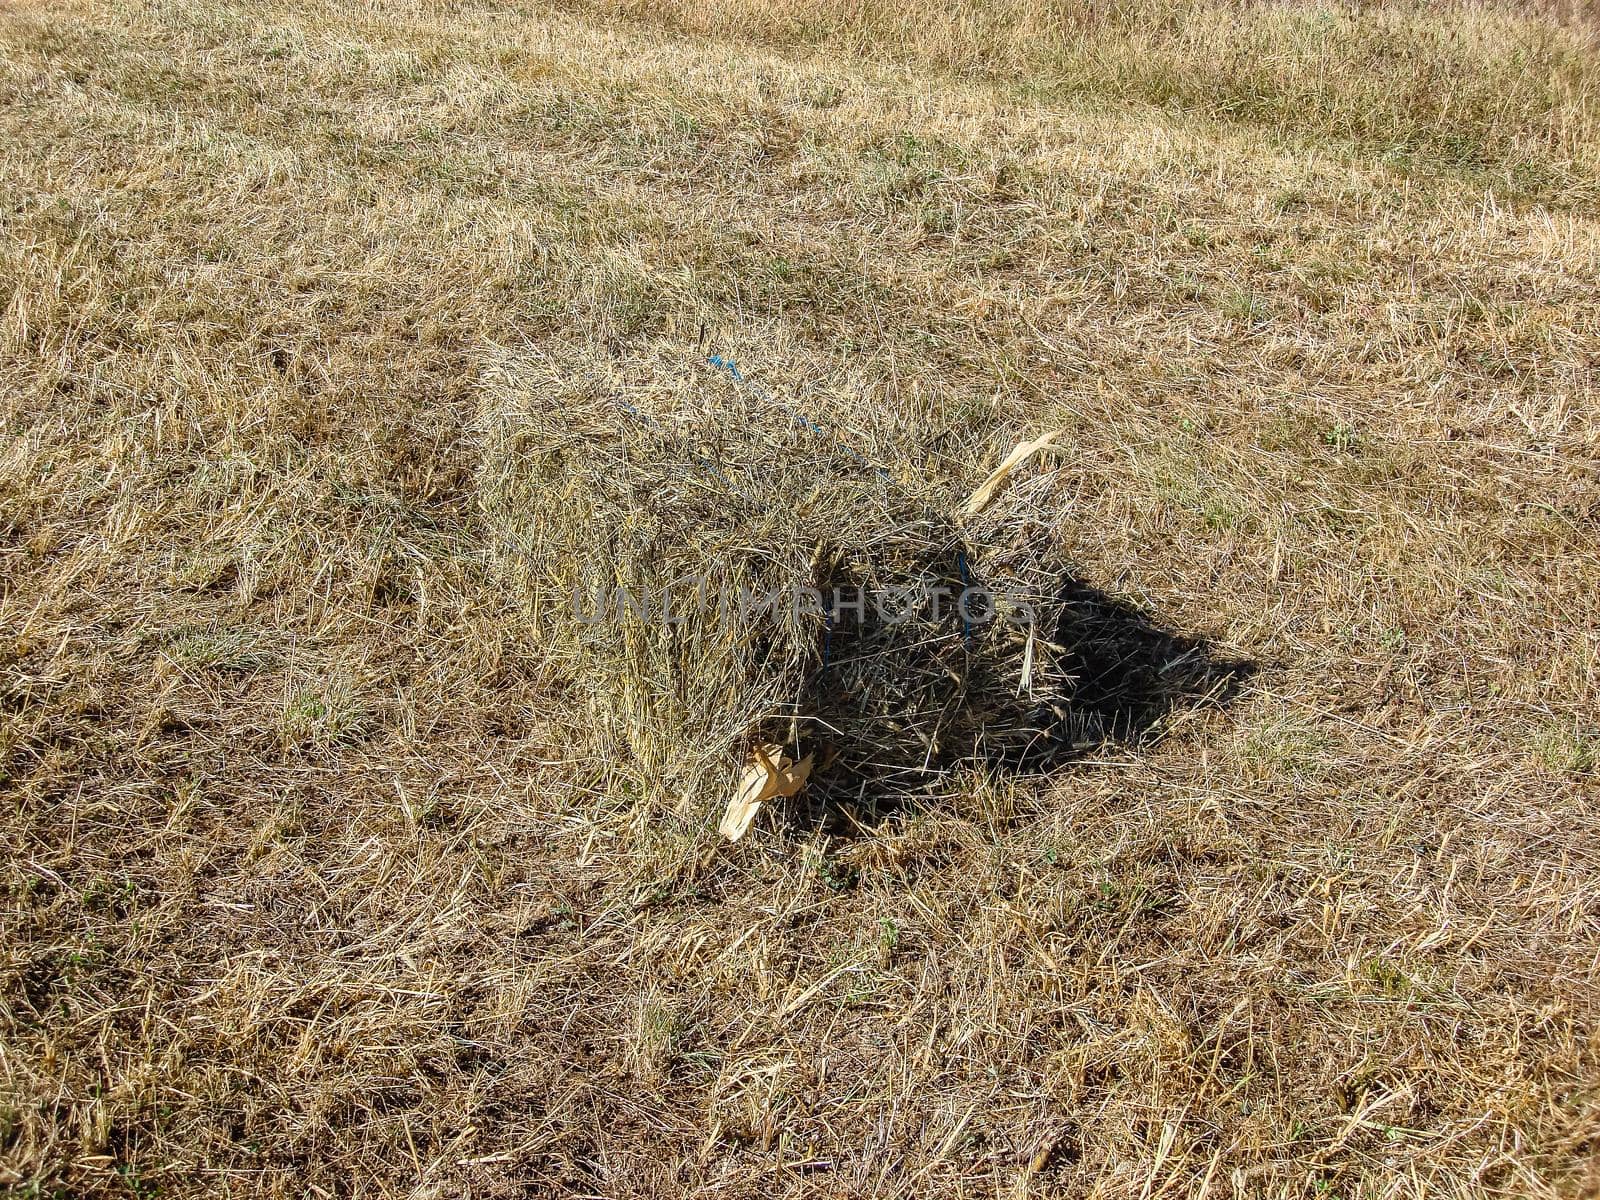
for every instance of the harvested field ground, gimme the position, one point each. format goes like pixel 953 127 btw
pixel 310 883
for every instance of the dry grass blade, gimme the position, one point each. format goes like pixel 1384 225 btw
pixel 985 491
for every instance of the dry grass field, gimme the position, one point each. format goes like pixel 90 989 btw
pixel 310 884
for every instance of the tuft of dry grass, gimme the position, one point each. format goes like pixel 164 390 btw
pixel 306 887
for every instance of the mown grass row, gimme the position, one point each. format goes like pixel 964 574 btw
pixel 1506 96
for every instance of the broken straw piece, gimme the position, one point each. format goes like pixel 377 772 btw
pixel 979 499
pixel 771 774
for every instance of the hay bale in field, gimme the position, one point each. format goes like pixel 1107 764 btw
pixel 707 574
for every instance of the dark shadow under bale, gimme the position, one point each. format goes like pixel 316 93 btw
pixel 1128 673
pixel 894 704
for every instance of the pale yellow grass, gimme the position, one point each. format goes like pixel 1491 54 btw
pixel 302 892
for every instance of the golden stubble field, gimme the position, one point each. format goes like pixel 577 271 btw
pixel 311 885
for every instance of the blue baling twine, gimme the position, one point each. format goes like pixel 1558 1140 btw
pixel 717 362
pixel 700 460
pixel 966 582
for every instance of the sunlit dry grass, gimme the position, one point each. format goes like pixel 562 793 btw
pixel 306 893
